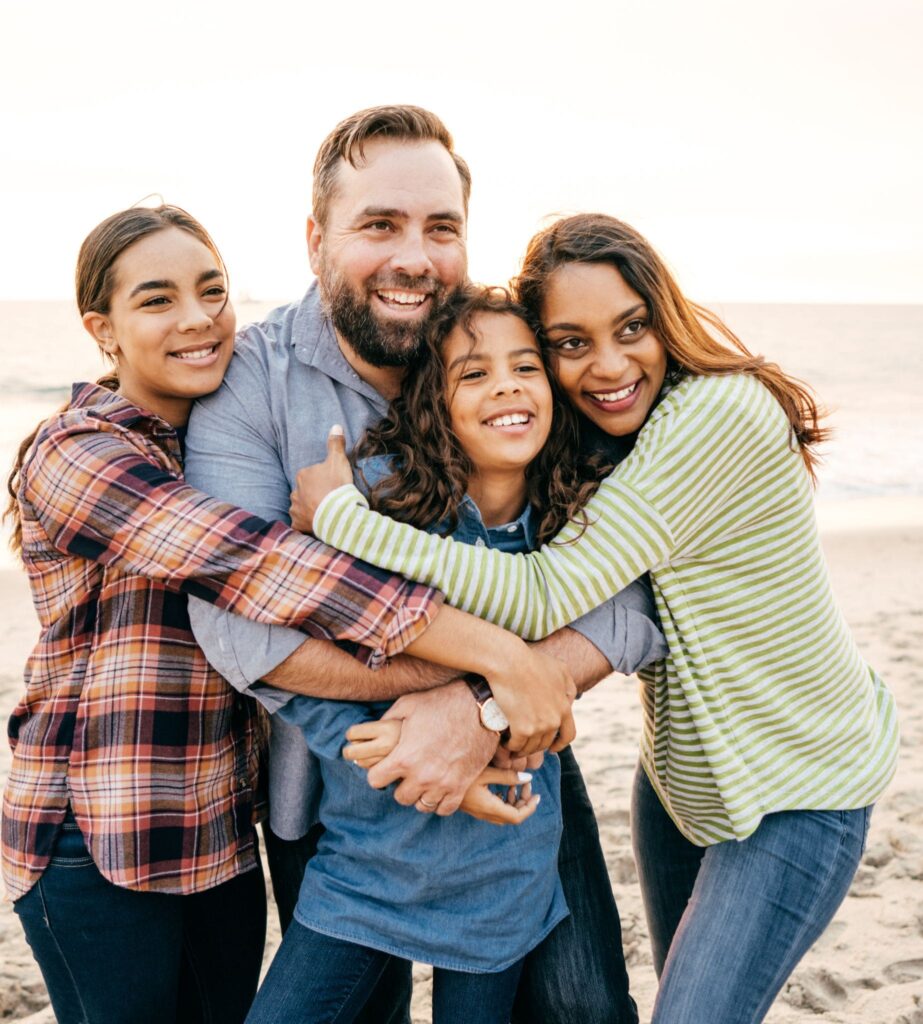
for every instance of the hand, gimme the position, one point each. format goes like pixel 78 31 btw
pixel 481 803
pixel 370 742
pixel 442 749
pixel 504 759
pixel 314 483
pixel 536 693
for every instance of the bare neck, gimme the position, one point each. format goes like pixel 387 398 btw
pixel 500 497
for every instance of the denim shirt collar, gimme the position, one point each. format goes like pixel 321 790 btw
pixel 519 535
pixel 314 343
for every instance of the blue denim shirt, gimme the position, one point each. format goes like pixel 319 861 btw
pixel 454 892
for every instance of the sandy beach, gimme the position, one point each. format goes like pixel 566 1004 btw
pixel 868 967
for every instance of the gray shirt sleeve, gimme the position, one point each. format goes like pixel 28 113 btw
pixel 626 629
pixel 231 454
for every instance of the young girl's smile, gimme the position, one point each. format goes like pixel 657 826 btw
pixel 499 397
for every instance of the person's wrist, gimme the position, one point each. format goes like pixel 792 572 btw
pixel 503 658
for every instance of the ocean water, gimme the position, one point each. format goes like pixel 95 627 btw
pixel 865 363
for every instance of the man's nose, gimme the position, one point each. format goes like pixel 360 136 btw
pixel 411 255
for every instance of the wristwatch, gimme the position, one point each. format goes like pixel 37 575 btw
pixel 492 716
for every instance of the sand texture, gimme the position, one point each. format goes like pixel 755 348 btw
pixel 866 969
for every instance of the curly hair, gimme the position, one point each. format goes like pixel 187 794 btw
pixel 696 341
pixel 432 470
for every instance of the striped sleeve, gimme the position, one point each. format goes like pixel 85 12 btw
pixel 703 440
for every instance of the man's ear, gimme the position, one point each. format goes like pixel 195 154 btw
pixel 315 237
pixel 100 330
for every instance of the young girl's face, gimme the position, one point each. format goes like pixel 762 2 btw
pixel 498 393
pixel 170 327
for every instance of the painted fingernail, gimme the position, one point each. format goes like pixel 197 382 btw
pixel 524 776
pixel 336 430
pixel 538 799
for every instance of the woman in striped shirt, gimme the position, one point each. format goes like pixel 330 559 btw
pixel 766 737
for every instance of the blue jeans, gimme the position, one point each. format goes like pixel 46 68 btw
pixel 577 975
pixel 729 922
pixel 317 979
pixel 117 956
pixel 389 1003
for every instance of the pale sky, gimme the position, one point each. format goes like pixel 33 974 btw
pixel 771 151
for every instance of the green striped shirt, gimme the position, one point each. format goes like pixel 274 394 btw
pixel 764 702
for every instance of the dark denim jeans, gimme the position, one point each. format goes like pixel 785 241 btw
pixel 389 1001
pixel 342 976
pixel 577 975
pixel 729 922
pixel 116 956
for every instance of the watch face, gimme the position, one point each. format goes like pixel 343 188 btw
pixel 492 716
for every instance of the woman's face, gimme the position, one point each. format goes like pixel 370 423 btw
pixel 499 397
pixel 170 327
pixel 606 357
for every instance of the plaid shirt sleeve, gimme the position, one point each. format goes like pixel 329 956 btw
pixel 100 497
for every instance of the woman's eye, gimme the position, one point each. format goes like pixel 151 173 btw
pixel 218 291
pixel 472 375
pixel 570 344
pixel 528 368
pixel 633 328
pixel 155 300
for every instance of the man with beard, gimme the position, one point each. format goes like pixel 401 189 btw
pixel 386 241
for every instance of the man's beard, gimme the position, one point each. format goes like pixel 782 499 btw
pixel 380 342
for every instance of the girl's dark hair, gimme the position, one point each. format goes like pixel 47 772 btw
pixel 95 283
pixel 432 470
pixel 696 341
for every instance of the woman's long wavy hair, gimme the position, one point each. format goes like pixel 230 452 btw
pixel 433 470
pixel 95 280
pixel 696 341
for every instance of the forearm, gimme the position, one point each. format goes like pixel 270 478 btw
pixel 587 664
pixel 321 669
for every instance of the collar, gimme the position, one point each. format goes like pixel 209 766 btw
pixel 314 343
pixel 471 523
pixel 106 404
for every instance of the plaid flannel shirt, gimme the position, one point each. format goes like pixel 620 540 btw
pixel 122 717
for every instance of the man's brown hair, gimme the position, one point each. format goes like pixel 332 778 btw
pixel 348 139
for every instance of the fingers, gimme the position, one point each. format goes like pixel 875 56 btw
pixel 336 443
pixel 566 733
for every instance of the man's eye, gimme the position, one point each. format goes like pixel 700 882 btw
pixel 445 229
pixel 379 225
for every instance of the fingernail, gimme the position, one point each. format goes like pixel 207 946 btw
pixel 337 430
pixel 538 799
pixel 524 776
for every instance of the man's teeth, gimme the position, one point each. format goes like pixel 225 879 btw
pixel 403 298
pixel 614 396
pixel 199 353
pixel 509 421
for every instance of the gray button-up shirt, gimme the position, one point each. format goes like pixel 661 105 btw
pixel 287 384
